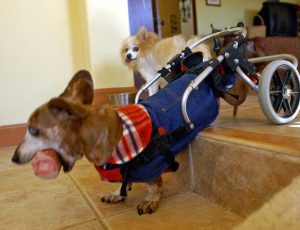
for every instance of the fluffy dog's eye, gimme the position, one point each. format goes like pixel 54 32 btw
pixel 33 131
pixel 136 49
pixel 126 50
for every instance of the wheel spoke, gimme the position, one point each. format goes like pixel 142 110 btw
pixel 277 80
pixel 295 93
pixel 275 92
pixel 287 77
pixel 277 104
pixel 287 107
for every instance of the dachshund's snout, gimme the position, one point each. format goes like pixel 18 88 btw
pixel 16 158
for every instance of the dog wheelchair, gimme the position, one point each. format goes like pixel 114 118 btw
pixel 189 103
pixel 278 86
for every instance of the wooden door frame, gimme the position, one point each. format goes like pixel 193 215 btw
pixel 195 17
pixel 142 10
pixel 145 11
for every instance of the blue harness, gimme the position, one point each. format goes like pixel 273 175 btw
pixel 164 108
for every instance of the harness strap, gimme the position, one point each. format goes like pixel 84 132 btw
pixel 174 165
pixel 123 190
pixel 161 141
pixel 158 142
pixel 134 164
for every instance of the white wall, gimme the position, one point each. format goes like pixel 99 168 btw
pixel 43 42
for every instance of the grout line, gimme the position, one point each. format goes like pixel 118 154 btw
pixel 89 201
pixel 120 213
pixel 161 201
pixel 76 224
pixel 192 176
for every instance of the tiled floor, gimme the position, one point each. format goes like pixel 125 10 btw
pixel 28 202
pixel 72 201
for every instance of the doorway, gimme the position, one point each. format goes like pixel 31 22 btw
pixel 173 17
pixel 165 17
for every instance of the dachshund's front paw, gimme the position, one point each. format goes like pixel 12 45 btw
pixel 113 198
pixel 147 207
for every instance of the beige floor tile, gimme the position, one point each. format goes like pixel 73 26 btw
pixel 90 225
pixel 251 118
pixel 28 202
pixel 187 211
pixel 88 179
pixel 251 127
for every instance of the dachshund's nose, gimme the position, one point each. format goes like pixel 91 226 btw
pixel 15 158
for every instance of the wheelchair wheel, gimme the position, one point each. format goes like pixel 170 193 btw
pixel 279 91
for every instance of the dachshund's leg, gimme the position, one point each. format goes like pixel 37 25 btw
pixel 150 204
pixel 115 196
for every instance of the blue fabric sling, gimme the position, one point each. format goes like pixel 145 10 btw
pixel 164 108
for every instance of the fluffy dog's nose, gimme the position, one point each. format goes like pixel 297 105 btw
pixel 128 56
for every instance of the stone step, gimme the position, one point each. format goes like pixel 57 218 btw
pixel 241 162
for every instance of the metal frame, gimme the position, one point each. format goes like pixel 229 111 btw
pixel 194 84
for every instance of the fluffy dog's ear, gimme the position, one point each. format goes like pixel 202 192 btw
pixel 142 34
pixel 80 88
pixel 65 110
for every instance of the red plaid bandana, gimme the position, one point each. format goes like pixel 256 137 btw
pixel 137 130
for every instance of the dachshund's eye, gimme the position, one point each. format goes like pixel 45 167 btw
pixel 33 131
pixel 136 49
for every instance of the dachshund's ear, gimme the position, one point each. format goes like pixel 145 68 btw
pixel 80 88
pixel 66 110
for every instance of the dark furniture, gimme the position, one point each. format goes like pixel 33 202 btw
pixel 280 18
pixel 281 31
pixel 264 46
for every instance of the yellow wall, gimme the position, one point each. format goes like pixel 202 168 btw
pixel 43 42
pixel 108 25
pixel 98 28
pixel 35 55
pixel 228 14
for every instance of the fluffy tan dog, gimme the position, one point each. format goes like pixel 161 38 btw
pixel 146 53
